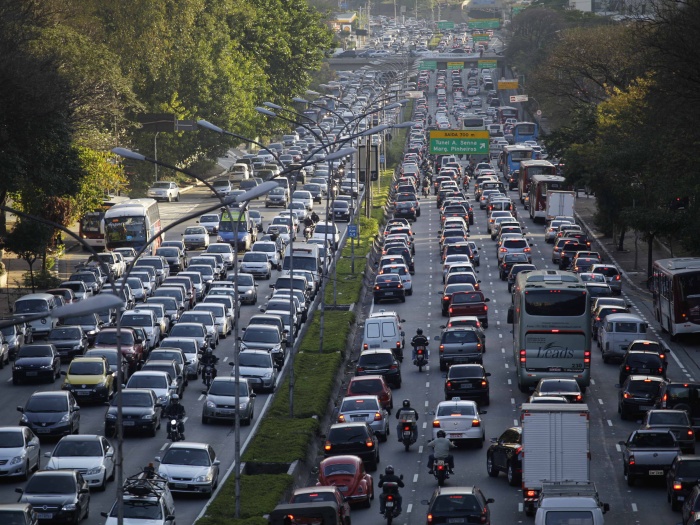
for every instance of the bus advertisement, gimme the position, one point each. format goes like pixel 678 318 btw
pixel 506 112
pixel 530 168
pixel 524 131
pixel 511 157
pixel 134 223
pixel 539 186
pixel 551 328
pixel 675 287
pixel 237 222
pixel 91 227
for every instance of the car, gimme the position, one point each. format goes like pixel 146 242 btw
pixel 36 361
pixel 367 409
pixel 174 369
pixel 459 344
pixel 141 412
pixel 70 341
pixel 388 286
pixel 505 454
pixel 401 270
pixel 641 362
pixel 379 362
pixel 190 467
pixel 256 263
pixel 196 237
pixel 59 496
pixel 690 511
pixel 130 341
pixel 460 420
pixel 562 387
pixel 466 504
pixel 259 368
pixel 612 275
pixel 683 475
pixel 15 335
pixel 64 293
pixel 468 381
pixel 194 330
pixel 18 514
pixel 340 211
pixel 90 379
pixel 115 360
pixel 510 260
pixel 677 421
pixel 515 270
pixel 90 454
pixel 20 452
pixel 267 337
pixel 146 320
pixel 348 474
pixel 220 401
pixel 271 250
pixel 210 222
pixel 373 385
pixel 174 256
pixel 276 197
pixel 51 413
pixel 356 439
pixel 638 394
pixel 221 188
pixel 329 494
pixel 160 382
pixel 164 191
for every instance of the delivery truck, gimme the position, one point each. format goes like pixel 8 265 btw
pixel 560 204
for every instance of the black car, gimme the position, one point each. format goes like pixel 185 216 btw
pixel 458 505
pixel 140 412
pixel 568 253
pixel 69 341
pixel 174 257
pixel 515 270
pixel 316 191
pixel 379 362
pixel 340 211
pixel 407 210
pixel 36 362
pixel 510 260
pixel 641 362
pixel 681 396
pixel 389 286
pixel 58 496
pixel 356 439
pixel 404 252
pixel 683 475
pixel 638 394
pixel 564 387
pixel 505 455
pixel 468 382
pixel 52 413
pixel 90 323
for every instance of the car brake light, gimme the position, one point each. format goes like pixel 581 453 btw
pixel 436 423
pixel 377 416
pixel 626 395
pixel 484 382
pixel 393 367
pixel 360 369
pixel 369 443
pixel 430 519
pixel 691 433
pixel 531 493
pixel 476 423
pixel 327 446
pixel 522 356
pixel 527 250
pixel 365 346
pixel 677 486
pixel 376 287
pixel 617 277
pixel 503 250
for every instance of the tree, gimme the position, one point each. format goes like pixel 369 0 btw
pixel 29 240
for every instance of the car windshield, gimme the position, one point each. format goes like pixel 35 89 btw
pixel 133 399
pixel 209 218
pixel 457 504
pixel 168 252
pixel 148 381
pixel 559 386
pixel 11 439
pixel 375 360
pixel 31 306
pixel 258 335
pixel 264 247
pixel 190 330
pixel 86 368
pixel 352 434
pixel 194 317
pixel 465 371
pixel 64 333
pixel 655 440
pixel 139 510
pixel 74 448
pixel 110 338
pixel 455 410
pixel 688 469
pixel 34 351
pixel 46 404
pixel 194 230
pixel 137 320
pixel 460 336
pixel 186 456
pixel 644 387
pixel 227 388
pixel 313 497
pixel 352 405
pixel 254 257
pixel 48 484
pixel 254 360
pixel 668 418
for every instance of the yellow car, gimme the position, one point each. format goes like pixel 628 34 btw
pixel 89 379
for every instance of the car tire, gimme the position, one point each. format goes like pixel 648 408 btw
pixel 206 420
pixel 491 469
pixel 513 478
pixel 102 486
pixel 113 475
pixel 177 199
pixel 675 504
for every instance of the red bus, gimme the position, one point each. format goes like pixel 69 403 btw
pixel 91 226
pixel 539 186
pixel 506 112
pixel 675 286
pixel 530 168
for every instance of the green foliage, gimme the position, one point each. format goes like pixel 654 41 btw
pixel 103 176
pixel 336 329
pixel 294 433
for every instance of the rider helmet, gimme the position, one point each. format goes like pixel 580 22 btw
pixel 175 399
pixel 389 470
pixel 419 331
pixel 406 403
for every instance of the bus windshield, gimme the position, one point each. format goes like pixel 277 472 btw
pixel 555 303
pixel 126 229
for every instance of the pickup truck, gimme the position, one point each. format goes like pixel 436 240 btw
pixel 648 453
pixel 677 421
pixel 470 303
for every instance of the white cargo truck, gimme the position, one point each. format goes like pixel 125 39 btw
pixel 565 503
pixel 555 441
pixel 560 203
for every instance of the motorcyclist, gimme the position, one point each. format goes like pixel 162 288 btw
pixel 441 450
pixel 209 359
pixel 389 476
pixel 176 411
pixel 418 340
pixel 314 217
pixel 426 186
pixel 405 410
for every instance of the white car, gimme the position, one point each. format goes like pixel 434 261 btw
pixel 256 263
pixel 270 249
pixel 195 237
pixel 20 452
pixel 211 222
pixel 305 197
pixel 194 462
pixel 164 191
pixel 299 209
pixel 402 271
pixel 91 454
pixel 461 420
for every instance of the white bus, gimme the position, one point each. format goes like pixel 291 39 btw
pixel 551 328
pixel 132 224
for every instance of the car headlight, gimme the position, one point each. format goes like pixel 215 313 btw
pixel 249 292
pixel 23 419
pixel 94 470
pixel 16 459
pixel 211 404
pixel 46 367
pixel 219 238
pixel 267 375
pixel 163 399
pixel 76 347
pixel 65 418
pixel 69 507
pixel 203 479
pixel 242 406
pixel 145 416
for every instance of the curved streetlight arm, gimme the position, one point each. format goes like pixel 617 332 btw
pixel 208 125
pixel 272 114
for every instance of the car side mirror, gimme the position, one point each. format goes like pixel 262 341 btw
pixel 104 514
pixel 486 300
pixel 424 502
pixel 436 338
pixel 606 507
pixel 490 500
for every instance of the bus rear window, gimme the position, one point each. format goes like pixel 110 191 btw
pixel 555 303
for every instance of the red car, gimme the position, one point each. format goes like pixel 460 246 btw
pixel 131 344
pixel 348 474
pixel 317 494
pixel 371 386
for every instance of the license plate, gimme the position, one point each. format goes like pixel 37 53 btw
pixel 82 392
pixel 656 472
pixel 681 498
pixel 179 485
pixel 44 515
pixel 389 504
pixel 32 374
pixel 388 293
pixel 554 369
pixel 226 412
pixel 645 407
pixel 42 430
pixel 644 370
pixel 456 435
pixel 129 423
pixel 358 418
pixel 455 520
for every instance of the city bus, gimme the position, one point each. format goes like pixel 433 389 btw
pixel 530 168
pixel 506 112
pixel 91 227
pixel 133 224
pixel 551 328
pixel 675 287
pixel 511 157
pixel 539 186
pixel 523 131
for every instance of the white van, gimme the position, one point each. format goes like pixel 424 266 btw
pixel 34 304
pixel 239 171
pixel 328 229
pixel 383 330
pixel 619 331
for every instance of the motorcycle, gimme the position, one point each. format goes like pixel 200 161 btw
pixel 408 435
pixel 421 357
pixel 426 191
pixel 390 491
pixel 174 433
pixel 308 232
pixel 440 471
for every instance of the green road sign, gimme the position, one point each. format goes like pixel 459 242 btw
pixel 487 64
pixel 480 38
pixel 445 25
pixel 484 23
pixel 428 64
pixel 459 142
pixel 455 65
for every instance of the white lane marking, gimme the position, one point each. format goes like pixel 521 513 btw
pixel 427 384
pixel 634 507
pixel 600 401
pixel 512 400
pixel 415 478
pixel 410 506
pixel 506 365
pixel 618 448
pixel 225 359
pixel 420 449
pixel 593 381
pixel 520 507
pixel 164 445
pixel 201 396
pixel 426 402
pixel 510 382
pixel 516 423
pixel 609 423
pixel 425 425
pixel 503 350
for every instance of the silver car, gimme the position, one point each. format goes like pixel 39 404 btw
pixel 92 455
pixel 220 403
pixel 612 276
pixel 19 452
pixel 247 288
pixel 259 368
pixel 190 467
pixel 365 409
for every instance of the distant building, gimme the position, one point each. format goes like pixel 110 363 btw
pixel 343 21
